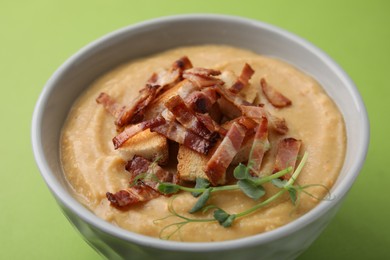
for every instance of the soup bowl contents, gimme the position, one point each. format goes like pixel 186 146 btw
pixel 200 136
pixel 224 119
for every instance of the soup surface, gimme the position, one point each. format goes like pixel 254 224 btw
pixel 94 167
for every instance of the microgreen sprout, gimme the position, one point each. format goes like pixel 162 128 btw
pixel 249 185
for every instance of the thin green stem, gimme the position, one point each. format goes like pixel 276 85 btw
pixel 258 181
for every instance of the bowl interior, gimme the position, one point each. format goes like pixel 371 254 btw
pixel 76 74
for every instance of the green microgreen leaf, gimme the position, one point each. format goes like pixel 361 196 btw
pixel 223 218
pixel 251 189
pixel 201 183
pixel 168 188
pixel 279 183
pixel 201 201
pixel 241 172
pixel 293 194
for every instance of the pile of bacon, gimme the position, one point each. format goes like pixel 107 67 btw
pixel 189 118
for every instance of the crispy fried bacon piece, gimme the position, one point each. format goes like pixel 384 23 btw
pixel 187 117
pixel 210 124
pixel 224 154
pixel 110 104
pixel 276 98
pixel 132 130
pixel 176 132
pixel 243 80
pixel 201 101
pixel 182 64
pixel 287 155
pixel 260 146
pixel 258 112
pixel 173 75
pixel 132 195
pixel 134 112
pixel 151 173
pixel 154 86
pixel 202 77
pixel 229 103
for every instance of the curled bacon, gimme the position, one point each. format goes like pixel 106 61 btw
pixel 202 77
pixel 258 112
pixel 260 145
pixel 132 130
pixel 187 117
pixel 287 155
pixel 110 104
pixel 243 80
pixel 181 135
pixel 224 154
pixel 132 195
pixel 134 112
pixel 276 98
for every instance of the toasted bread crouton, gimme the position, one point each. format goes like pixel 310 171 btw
pixel 191 164
pixel 149 145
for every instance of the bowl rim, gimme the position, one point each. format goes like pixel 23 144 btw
pixel 71 203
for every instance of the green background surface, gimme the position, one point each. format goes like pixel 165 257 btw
pixel 38 36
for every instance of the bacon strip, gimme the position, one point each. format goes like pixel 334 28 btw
pixel 287 155
pixel 110 104
pixel 231 97
pixel 222 157
pixel 132 130
pixel 134 112
pixel 260 146
pixel 154 86
pixel 182 64
pixel 210 124
pixel 171 76
pixel 202 77
pixel 132 195
pixel 152 172
pixel 276 98
pixel 258 112
pixel 187 117
pixel 201 101
pixel 243 80
pixel 181 135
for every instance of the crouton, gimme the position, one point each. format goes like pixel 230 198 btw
pixel 191 164
pixel 149 145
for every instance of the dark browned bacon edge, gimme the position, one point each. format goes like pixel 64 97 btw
pixel 276 98
pixel 143 189
pixel 287 155
pixel 243 80
pixel 176 132
pixel 132 130
pixel 258 112
pixel 260 146
pixel 187 117
pixel 201 100
pixel 224 154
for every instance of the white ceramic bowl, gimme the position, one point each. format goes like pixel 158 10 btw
pixel 76 74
